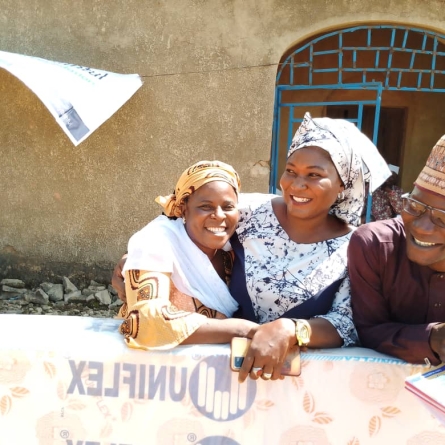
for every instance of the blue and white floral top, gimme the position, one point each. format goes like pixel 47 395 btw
pixel 281 275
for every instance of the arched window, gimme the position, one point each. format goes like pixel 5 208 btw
pixel 379 77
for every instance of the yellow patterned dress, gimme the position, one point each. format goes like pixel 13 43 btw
pixel 159 316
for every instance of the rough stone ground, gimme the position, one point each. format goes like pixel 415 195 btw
pixel 96 300
pixel 58 308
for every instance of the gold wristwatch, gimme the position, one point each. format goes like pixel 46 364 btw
pixel 303 331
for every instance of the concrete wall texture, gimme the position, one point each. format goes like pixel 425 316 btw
pixel 209 70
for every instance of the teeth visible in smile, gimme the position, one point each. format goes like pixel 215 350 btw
pixel 421 243
pixel 297 199
pixel 216 229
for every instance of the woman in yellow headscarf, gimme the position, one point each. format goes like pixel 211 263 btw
pixel 177 273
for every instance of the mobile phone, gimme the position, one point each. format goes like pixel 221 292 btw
pixel 240 345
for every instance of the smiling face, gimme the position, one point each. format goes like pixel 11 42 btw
pixel 425 241
pixel 310 183
pixel 211 216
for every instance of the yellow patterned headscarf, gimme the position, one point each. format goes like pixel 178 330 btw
pixel 194 177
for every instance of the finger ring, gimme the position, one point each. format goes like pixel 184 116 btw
pixel 256 370
pixel 267 375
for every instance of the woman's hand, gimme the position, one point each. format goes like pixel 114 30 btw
pixel 268 350
pixel 220 331
pixel 117 280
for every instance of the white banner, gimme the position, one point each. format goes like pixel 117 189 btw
pixel 68 380
pixel 80 98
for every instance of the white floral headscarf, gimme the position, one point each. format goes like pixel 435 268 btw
pixel 355 157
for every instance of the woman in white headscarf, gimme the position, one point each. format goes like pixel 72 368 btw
pixel 177 273
pixel 290 273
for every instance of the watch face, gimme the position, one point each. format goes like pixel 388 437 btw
pixel 303 334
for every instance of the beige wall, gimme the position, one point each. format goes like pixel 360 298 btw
pixel 209 70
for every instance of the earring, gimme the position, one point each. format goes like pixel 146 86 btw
pixel 341 196
pixel 183 219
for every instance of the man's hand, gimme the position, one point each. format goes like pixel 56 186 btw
pixel 437 340
pixel 117 280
